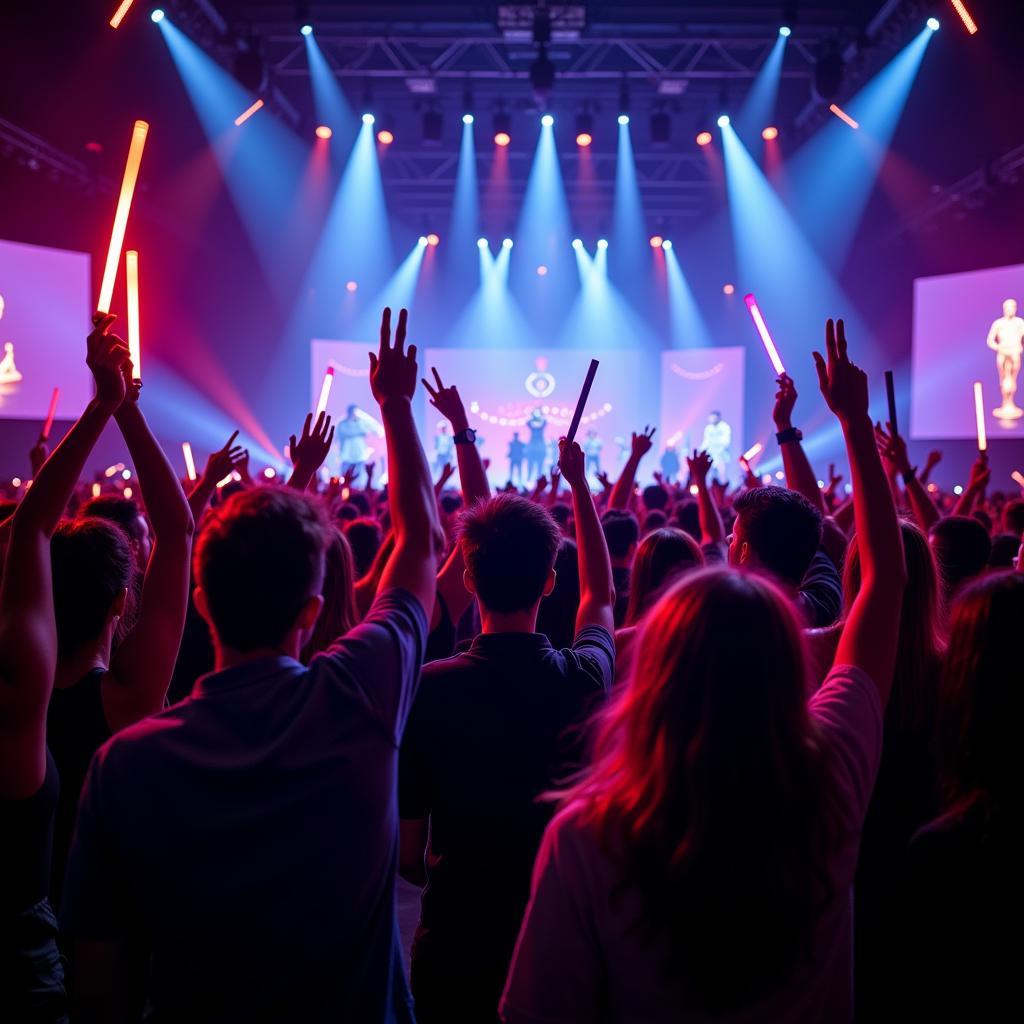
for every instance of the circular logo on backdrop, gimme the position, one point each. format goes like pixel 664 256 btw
pixel 540 383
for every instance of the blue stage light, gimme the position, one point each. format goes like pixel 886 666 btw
pixel 368 119
pixel 667 244
pixel 481 243
pixel 467 118
pixel 547 120
pixel 157 14
pixel 933 24
pixel 506 243
pixel 577 243
pixel 306 30
pixel 423 240
pixel 723 120
pixel 623 118
pixel 785 31
pixel 602 243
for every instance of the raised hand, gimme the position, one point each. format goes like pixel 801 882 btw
pixel 108 358
pixel 447 472
pixel 310 450
pixel 224 461
pixel 447 402
pixel 37 455
pixel 641 443
pixel 571 464
pixel 393 369
pixel 604 481
pixel 785 399
pixel 700 465
pixel 844 386
pixel 933 459
pixel 980 472
pixel 892 448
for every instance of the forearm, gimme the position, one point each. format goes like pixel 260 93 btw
pixel 711 527
pixel 623 489
pixel 966 501
pixel 921 504
pixel 301 476
pixel 200 496
pixel 596 584
pixel 799 474
pixel 410 488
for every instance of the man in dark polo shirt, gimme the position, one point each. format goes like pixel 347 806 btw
pixel 490 732
pixel 247 838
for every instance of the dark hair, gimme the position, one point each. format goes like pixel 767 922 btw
pixel 782 528
pixel 710 785
pixel 962 546
pixel 662 557
pixel 339 613
pixel 981 690
pixel 1003 555
pixel 509 545
pixel 346 513
pixel 655 496
pixel 360 501
pixel 557 616
pixel 259 558
pixel 116 509
pixel 621 532
pixel 654 520
pixel 984 518
pixel 450 503
pixel 561 515
pixel 92 565
pixel 1013 516
pixel 364 537
pixel 688 517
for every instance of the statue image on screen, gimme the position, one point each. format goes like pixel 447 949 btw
pixel 9 373
pixel 1006 339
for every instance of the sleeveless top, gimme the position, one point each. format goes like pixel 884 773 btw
pixel 76 727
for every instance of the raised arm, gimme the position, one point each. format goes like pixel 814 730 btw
pixel 309 452
pixel 143 664
pixel 980 474
pixel 871 631
pixel 413 564
pixel 28 632
pixel 712 531
pixel 220 463
pixel 597 591
pixel 623 489
pixel 799 475
pixel 894 450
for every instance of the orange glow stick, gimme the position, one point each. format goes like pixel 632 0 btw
pixel 131 263
pixel 190 463
pixel 96 489
pixel 248 112
pixel 120 13
pixel 325 390
pixel 979 415
pixel 1018 476
pixel 965 17
pixel 843 115
pixel 124 204
pixel 48 426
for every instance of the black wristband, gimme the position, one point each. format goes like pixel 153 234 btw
pixel 911 474
pixel 789 434
pixel 466 436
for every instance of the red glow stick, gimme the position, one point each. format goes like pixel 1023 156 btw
pixel 581 404
pixel 325 390
pixel 48 426
pixel 120 13
pixel 190 463
pixel 766 338
pixel 131 264
pixel 979 415
pixel 124 204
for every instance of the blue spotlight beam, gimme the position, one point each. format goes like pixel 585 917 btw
pixel 628 215
pixel 543 230
pixel 687 326
pixel 464 225
pixel 397 293
pixel 759 107
pixel 332 108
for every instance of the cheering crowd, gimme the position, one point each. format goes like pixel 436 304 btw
pixel 671 754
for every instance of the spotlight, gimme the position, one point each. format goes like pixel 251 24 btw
pixel 547 120
pixel 351 286
pixel 769 133
pixel 728 289
pixel 667 244
pixel 602 243
pixel 502 138
pixel 368 119
pixel 506 243
pixel 323 132
pixel 577 243
pixel 785 31
pixel 657 241
pixel 157 15
pixel 584 129
pixel 306 30
pixel 481 243
pixel 623 119
pixel 661 128
pixel 433 240
pixel 385 137
pixel 584 139
pixel 423 241
pixel 502 128
pixel 542 271
pixel 704 138
pixel 723 121
pixel 467 118
pixel 933 24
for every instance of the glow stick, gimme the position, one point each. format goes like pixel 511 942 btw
pixel 124 204
pixel 965 17
pixel 979 415
pixel 325 390
pixel 96 488
pixel 112 470
pixel 753 451
pixel 131 263
pixel 890 391
pixel 120 13
pixel 581 404
pixel 766 338
pixel 48 426
pixel 248 112
pixel 843 115
pixel 1018 476
pixel 190 463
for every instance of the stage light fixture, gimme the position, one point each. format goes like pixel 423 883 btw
pixel 481 243
pixel 323 131
pixel 965 16
pixel 584 139
pixel 502 128
pixel 547 120
pixel 723 120
pixel 577 243
pixel 368 119
pixel 385 137
pixel 661 128
pixel 467 118
pixel 351 286
pixel 157 15
pixel 542 271
pixel 602 243
pixel 584 129
pixel 843 115
pixel 423 241
pixel 433 240
pixel 704 138
pixel 770 133
pixel 933 24
pixel 785 31
pixel 306 30
pixel 623 119
pixel 667 244
pixel 728 289
pixel 657 241
pixel 506 243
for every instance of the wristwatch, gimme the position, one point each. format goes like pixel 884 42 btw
pixel 789 434
pixel 467 436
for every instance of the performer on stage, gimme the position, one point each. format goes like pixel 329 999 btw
pixel 351 433
pixel 516 458
pixel 592 445
pixel 444 447
pixel 670 464
pixel 716 442
pixel 536 446
pixel 1006 339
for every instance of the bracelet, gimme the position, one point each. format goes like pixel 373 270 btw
pixel 910 475
pixel 789 434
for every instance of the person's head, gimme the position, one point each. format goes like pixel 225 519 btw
pixel 125 512
pixel 557 616
pixel 714 417
pixel 708 775
pixel 509 545
pixel 515 435
pixel 350 412
pixel 961 546
pixel 363 536
pixel 1010 308
pixel 981 690
pixel 655 496
pixel 687 517
pixel 360 501
pixel 655 520
pixel 346 513
pixel 1005 548
pixel 621 533
pixel 912 703
pixel 1013 517
pixel 776 529
pixel 93 568
pixel 259 569
pixel 443 427
pixel 662 557
pixel 339 612
pixel 562 514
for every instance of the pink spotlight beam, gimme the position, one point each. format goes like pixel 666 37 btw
pixel 124 205
pixel 766 338
pixel 119 14
pixel 325 390
pixel 51 413
pixel 979 416
pixel 248 112
pixel 843 115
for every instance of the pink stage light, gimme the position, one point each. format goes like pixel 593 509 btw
pixel 979 416
pixel 325 390
pixel 120 13
pixel 190 462
pixel 770 133
pixel 51 412
pixel 728 289
pixel 351 286
pixel 965 16
pixel 124 204
pixel 584 139
pixel 766 338
pixel 131 264
pixel 502 138
pixel 542 271
pixel 433 240
pixel 384 137
pixel 704 138
pixel 323 131
pixel 843 115
pixel 248 112
pixel 657 241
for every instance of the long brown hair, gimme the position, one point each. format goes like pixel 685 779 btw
pixel 663 555
pixel 338 614
pixel 709 783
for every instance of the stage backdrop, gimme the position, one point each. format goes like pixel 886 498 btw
pixel 952 318
pixel 44 317
pixel 694 383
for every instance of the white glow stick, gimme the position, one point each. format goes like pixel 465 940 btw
pixel 325 390
pixel 1018 476
pixel 190 463
pixel 766 338
pixel 753 451
pixel 979 415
